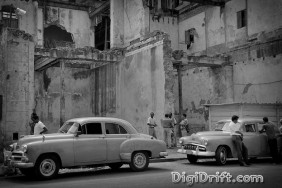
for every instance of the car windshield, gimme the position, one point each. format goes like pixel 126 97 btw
pixel 222 126
pixel 69 128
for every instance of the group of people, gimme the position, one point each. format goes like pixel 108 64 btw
pixel 237 137
pixel 169 124
pixel 36 126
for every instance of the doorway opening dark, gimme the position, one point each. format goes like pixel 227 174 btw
pixel 102 34
pixel 55 36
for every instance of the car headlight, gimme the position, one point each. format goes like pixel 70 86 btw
pixel 23 148
pixel 205 142
pixel 181 141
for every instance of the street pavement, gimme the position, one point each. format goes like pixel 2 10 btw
pixel 159 174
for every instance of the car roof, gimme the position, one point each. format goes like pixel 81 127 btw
pixel 82 120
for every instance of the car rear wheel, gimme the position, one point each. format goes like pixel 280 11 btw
pixel 221 155
pixel 29 172
pixel 47 167
pixel 139 161
pixel 115 166
pixel 192 159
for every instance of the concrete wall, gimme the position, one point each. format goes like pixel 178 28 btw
pixel 26 22
pixel 143 84
pixel 16 83
pixel 64 92
pixel 255 77
pixel 76 22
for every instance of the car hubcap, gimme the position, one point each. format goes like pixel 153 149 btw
pixel 139 160
pixel 223 156
pixel 47 167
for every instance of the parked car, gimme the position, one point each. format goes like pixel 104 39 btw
pixel 84 142
pixel 218 144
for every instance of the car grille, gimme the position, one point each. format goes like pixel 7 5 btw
pixel 190 147
pixel 194 147
pixel 17 156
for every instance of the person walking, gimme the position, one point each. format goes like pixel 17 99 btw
pixel 39 127
pixel 271 130
pixel 184 125
pixel 152 124
pixel 167 124
pixel 174 130
pixel 237 139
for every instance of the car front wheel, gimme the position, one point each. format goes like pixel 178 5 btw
pixel 221 155
pixel 192 159
pixel 47 167
pixel 139 161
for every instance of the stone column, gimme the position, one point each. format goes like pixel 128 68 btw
pixel 117 23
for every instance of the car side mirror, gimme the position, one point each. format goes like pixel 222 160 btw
pixel 78 133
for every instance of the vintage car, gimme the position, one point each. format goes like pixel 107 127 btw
pixel 218 144
pixel 86 142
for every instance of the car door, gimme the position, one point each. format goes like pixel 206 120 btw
pixel 251 138
pixel 90 146
pixel 116 134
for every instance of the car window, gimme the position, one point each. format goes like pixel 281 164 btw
pixel 93 128
pixel 250 127
pixel 112 128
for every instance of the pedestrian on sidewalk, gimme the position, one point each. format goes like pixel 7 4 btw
pixel 167 124
pixel 271 132
pixel 237 139
pixel 174 131
pixel 39 127
pixel 184 126
pixel 152 124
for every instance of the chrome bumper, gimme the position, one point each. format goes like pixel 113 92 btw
pixel 17 164
pixel 196 152
pixel 163 154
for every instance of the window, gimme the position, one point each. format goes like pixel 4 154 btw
pixel 112 128
pixel 250 128
pixel 9 17
pixel 93 128
pixel 241 19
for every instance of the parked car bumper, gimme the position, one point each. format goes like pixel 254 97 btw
pixel 196 152
pixel 17 164
pixel 163 154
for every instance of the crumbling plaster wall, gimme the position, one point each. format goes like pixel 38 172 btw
pixel 64 92
pixel 76 22
pixel 255 76
pixel 144 77
pixel 26 22
pixel 138 22
pixel 17 83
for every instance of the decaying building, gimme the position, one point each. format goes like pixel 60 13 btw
pixel 126 58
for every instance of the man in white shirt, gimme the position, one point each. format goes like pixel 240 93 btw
pixel 39 127
pixel 237 138
pixel 152 124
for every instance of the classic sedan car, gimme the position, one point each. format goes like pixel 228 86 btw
pixel 218 144
pixel 86 142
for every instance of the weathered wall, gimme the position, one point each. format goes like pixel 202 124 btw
pixel 68 91
pixel 17 83
pixel 26 22
pixel 143 83
pixel 76 22
pixel 255 76
pixel 168 25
